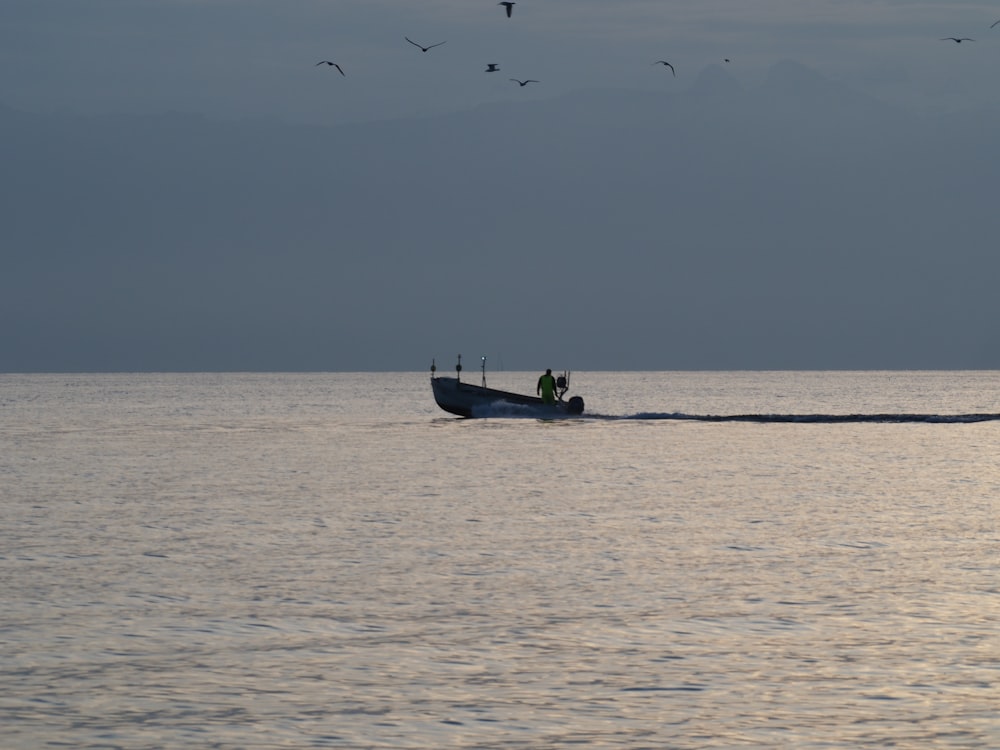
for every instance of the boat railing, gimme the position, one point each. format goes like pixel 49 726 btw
pixel 562 382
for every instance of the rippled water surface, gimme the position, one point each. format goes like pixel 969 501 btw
pixel 328 560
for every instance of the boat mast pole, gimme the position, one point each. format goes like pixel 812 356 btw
pixel 458 369
pixel 484 371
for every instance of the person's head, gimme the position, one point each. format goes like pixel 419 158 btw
pixel 548 371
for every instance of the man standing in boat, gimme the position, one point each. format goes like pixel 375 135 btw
pixel 547 387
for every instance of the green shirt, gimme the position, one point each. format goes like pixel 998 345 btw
pixel 547 385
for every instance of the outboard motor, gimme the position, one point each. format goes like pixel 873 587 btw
pixel 562 385
pixel 575 405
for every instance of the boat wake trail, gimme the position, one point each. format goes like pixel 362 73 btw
pixel 507 410
pixel 821 418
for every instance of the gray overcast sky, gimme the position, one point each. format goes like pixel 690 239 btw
pixel 184 189
pixel 256 57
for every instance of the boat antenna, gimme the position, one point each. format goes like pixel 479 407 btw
pixel 434 368
pixel 484 371
pixel 458 368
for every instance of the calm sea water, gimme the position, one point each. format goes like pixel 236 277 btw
pixel 328 560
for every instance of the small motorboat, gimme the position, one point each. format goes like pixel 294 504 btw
pixel 469 400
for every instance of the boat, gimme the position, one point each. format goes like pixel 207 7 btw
pixel 470 400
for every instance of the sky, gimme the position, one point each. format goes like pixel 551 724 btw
pixel 186 189
pixel 256 58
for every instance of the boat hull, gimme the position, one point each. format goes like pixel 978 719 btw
pixel 467 400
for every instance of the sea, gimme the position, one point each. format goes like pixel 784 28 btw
pixel 328 560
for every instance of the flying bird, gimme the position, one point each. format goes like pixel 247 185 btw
pixel 956 39
pixel 492 67
pixel 327 62
pixel 510 7
pixel 525 83
pixel 664 62
pixel 994 24
pixel 422 47
pixel 726 59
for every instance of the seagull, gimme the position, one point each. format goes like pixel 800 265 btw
pixel 492 67
pixel 525 83
pixel 327 62
pixel 726 59
pixel 510 7
pixel 956 39
pixel 422 48
pixel 664 62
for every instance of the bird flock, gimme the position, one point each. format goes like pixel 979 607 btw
pixel 508 6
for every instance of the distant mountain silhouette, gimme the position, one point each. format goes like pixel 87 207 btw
pixel 792 83
pixel 789 78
